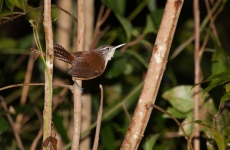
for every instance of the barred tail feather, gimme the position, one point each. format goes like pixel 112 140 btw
pixel 62 54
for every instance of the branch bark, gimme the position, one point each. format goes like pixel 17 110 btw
pixel 47 113
pixel 64 26
pixel 86 114
pixel 154 74
pixel 196 132
pixel 77 91
pixel 99 118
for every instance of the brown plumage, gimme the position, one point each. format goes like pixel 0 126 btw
pixel 86 65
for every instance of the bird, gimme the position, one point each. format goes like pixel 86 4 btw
pixel 86 65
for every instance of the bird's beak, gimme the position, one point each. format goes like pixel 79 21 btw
pixel 115 47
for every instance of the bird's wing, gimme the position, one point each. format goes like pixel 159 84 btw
pixel 87 65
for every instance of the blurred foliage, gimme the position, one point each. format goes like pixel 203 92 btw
pixel 123 78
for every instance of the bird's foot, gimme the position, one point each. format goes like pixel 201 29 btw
pixel 80 88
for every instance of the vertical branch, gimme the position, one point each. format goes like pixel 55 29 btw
pixel 196 132
pixel 25 91
pixel 86 113
pixel 77 91
pixel 154 75
pixel 64 25
pixel 47 113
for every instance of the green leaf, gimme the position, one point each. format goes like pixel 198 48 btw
pixel 128 69
pixel 108 137
pixel 221 121
pixel 219 59
pixel 165 145
pixel 150 27
pixel 156 17
pixel 20 4
pixel 1 3
pixel 187 125
pixel 118 67
pixel 180 97
pixel 6 44
pixel 4 125
pixel 217 82
pixel 224 98
pixel 216 76
pixel 118 6
pixel 126 24
pixel 175 113
pixel 58 123
pixel 207 109
pixel 215 133
pixel 152 5
pixel 150 142
pixel 9 5
pixel 138 57
pixel 219 62
pixel 227 87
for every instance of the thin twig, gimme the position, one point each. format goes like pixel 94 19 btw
pixel 126 111
pixel 131 43
pixel 40 132
pixel 100 20
pixel 25 92
pixel 33 9
pixel 18 62
pixel 36 140
pixel 100 35
pixel 204 23
pixel 68 13
pixel 203 45
pixel 212 22
pixel 59 98
pixel 35 84
pixel 118 106
pixel 99 117
pixel 178 123
pixel 219 10
pixel 10 119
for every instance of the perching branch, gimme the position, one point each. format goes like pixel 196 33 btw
pixel 77 91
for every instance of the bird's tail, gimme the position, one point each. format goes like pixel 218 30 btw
pixel 62 54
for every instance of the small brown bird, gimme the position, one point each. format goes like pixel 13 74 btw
pixel 85 65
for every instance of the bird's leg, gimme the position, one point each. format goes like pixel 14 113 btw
pixel 80 88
